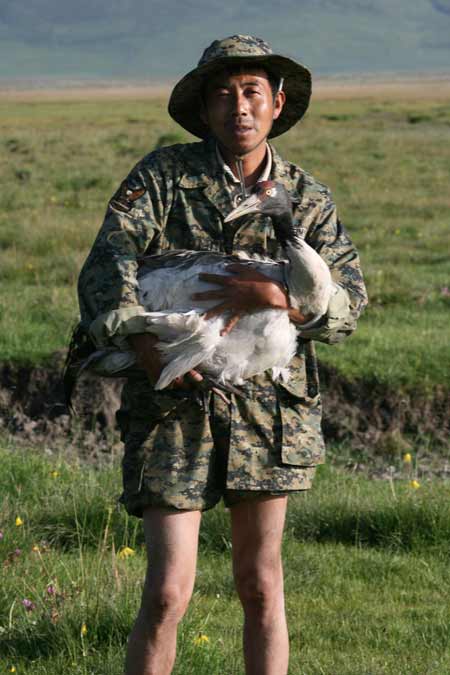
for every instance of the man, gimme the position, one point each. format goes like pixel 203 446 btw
pixel 181 459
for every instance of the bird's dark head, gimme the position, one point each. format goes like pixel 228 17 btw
pixel 270 199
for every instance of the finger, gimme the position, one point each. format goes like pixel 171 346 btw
pixel 177 383
pixel 217 310
pixel 230 324
pixel 209 295
pixel 221 279
pixel 195 376
pixel 221 395
pixel 246 273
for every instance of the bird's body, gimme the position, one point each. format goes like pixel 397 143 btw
pixel 263 340
pixel 260 341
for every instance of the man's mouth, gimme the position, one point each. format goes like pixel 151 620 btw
pixel 240 128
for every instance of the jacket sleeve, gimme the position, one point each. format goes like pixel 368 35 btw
pixel 107 286
pixel 327 235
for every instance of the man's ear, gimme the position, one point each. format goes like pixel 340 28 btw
pixel 278 104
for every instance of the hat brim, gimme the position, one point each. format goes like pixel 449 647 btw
pixel 184 103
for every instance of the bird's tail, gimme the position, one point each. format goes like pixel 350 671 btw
pixel 83 355
pixel 81 347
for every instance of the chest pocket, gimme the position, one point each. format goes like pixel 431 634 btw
pixel 193 223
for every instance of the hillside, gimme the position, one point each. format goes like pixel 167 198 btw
pixel 134 39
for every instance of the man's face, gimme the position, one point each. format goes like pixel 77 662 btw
pixel 240 109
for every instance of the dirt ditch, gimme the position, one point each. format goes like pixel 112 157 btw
pixel 370 420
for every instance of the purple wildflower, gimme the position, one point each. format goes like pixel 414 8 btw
pixel 1 535
pixel 17 552
pixel 51 590
pixel 28 604
pixel 445 292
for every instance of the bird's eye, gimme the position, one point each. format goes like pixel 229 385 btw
pixel 269 192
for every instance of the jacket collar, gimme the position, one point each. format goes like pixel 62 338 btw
pixel 206 171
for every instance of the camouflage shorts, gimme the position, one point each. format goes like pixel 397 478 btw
pixel 177 455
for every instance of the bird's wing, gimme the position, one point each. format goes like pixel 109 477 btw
pixel 168 281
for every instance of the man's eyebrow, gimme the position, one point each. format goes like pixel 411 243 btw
pixel 246 83
pixel 252 83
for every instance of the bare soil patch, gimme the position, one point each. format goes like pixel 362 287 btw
pixel 85 92
pixel 432 88
pixel 400 88
pixel 374 422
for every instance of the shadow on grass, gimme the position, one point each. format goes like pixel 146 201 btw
pixel 402 526
pixel 87 526
pixel 68 529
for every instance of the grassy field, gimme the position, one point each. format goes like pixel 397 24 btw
pixel 386 160
pixel 366 566
pixel 366 562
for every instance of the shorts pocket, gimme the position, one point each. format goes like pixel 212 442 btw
pixel 301 415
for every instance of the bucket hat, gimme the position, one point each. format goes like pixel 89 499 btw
pixel 184 103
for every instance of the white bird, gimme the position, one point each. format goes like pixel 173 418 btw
pixel 263 340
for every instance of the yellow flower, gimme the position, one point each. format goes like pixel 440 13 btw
pixel 201 639
pixel 126 552
pixel 407 458
pixel 414 484
pixel 35 548
pixel 54 474
pixel 19 521
pixel 83 630
pixel 12 669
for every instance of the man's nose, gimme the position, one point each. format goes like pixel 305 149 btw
pixel 240 104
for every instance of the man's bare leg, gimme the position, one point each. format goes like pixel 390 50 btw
pixel 257 530
pixel 171 540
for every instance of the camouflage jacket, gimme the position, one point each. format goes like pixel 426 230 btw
pixel 176 198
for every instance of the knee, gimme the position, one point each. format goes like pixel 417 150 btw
pixel 165 603
pixel 260 589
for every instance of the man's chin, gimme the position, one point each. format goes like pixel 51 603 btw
pixel 243 144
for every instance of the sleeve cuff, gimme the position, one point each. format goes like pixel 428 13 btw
pixel 335 318
pixel 113 328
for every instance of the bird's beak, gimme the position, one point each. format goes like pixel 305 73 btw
pixel 250 205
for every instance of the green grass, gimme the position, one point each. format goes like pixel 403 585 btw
pixel 387 163
pixel 366 568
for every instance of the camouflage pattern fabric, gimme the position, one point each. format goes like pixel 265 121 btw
pixel 178 453
pixel 237 50
pixel 177 197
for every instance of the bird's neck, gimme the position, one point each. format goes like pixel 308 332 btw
pixel 283 225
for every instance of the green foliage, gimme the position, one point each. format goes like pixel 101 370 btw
pixel 62 162
pixel 366 570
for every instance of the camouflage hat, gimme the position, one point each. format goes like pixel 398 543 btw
pixel 184 104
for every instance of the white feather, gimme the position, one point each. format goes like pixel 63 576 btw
pixel 264 340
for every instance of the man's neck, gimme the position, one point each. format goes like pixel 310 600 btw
pixel 252 163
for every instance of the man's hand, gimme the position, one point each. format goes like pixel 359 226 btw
pixel 245 292
pixel 149 358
